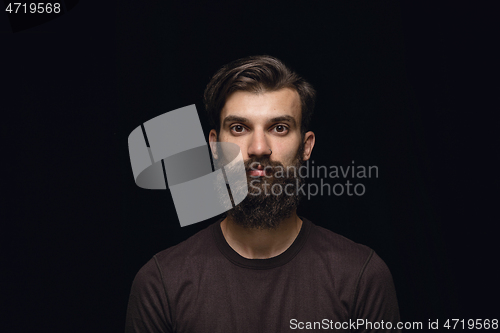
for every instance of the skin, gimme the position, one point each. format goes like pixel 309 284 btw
pixel 249 120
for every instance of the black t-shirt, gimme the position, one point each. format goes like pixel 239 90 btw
pixel 322 282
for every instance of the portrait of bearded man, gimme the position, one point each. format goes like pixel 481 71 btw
pixel 261 267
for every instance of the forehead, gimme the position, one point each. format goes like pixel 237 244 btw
pixel 261 106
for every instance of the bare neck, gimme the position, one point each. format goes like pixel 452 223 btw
pixel 261 244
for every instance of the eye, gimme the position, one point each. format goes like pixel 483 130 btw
pixel 281 129
pixel 237 129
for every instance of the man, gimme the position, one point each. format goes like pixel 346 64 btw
pixel 262 268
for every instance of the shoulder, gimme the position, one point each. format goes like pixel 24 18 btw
pixel 169 263
pixel 338 247
pixel 348 259
pixel 361 277
pixel 188 253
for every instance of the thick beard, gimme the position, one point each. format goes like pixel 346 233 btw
pixel 264 208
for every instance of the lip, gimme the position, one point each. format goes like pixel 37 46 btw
pixel 257 173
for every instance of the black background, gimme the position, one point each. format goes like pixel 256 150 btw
pixel 410 88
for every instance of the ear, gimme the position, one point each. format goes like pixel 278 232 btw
pixel 309 140
pixel 212 138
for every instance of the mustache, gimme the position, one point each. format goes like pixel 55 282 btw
pixel 265 163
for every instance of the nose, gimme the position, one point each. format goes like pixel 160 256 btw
pixel 258 145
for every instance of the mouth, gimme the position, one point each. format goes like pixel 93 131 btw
pixel 257 173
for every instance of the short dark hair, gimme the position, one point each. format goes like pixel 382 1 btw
pixel 256 74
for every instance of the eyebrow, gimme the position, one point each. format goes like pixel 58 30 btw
pixel 234 118
pixel 284 118
pixel 245 120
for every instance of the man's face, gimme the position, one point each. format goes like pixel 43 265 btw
pixel 259 123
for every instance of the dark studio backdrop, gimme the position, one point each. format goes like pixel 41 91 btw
pixel 411 88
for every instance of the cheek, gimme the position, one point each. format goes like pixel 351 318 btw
pixel 285 153
pixel 224 137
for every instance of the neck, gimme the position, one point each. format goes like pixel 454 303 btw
pixel 261 244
